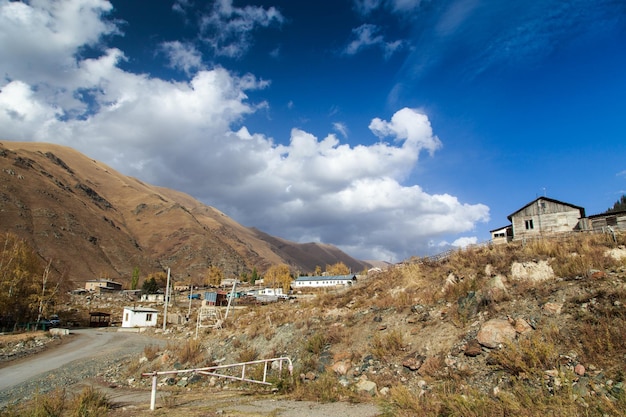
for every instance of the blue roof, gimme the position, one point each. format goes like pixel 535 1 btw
pixel 327 278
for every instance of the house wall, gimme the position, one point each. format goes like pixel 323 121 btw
pixel 544 217
pixel 96 285
pixel 617 221
pixel 139 318
pixel 322 282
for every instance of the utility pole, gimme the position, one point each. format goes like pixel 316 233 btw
pixel 167 299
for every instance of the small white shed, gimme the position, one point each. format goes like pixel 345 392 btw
pixel 139 317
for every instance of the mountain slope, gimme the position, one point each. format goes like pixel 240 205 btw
pixel 95 222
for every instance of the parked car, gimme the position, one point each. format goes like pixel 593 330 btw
pixel 54 321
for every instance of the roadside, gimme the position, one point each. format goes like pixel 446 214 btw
pixel 96 358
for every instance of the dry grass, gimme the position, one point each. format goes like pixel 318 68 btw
pixel 387 345
pixel 88 403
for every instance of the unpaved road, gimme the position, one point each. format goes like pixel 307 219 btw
pixel 83 354
pixel 76 363
pixel 81 344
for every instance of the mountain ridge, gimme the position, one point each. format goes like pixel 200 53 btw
pixel 95 222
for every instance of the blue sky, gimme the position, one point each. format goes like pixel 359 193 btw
pixel 389 128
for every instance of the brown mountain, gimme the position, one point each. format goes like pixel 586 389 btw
pixel 94 222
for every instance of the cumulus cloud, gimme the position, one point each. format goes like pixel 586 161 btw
pixel 181 135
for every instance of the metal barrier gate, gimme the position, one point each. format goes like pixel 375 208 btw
pixel 211 371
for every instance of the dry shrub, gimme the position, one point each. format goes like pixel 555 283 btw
pixel 316 343
pixel 247 355
pixel 51 404
pixel 336 333
pixel 432 366
pixel 324 389
pixel 387 345
pixel 530 355
pixel 189 352
pixel 403 402
pixel 90 403
pixel 601 334
pixel 150 352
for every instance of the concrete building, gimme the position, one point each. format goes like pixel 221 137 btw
pixel 139 317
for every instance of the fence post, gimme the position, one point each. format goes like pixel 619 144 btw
pixel 153 396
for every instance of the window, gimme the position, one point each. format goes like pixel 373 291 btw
pixel 126 317
pixel 529 224
pixel 149 317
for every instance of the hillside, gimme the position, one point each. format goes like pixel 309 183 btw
pixel 94 222
pixel 518 329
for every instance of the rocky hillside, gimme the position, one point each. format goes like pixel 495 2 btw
pixel 510 330
pixel 94 222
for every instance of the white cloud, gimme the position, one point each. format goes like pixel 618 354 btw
pixel 341 128
pixel 181 135
pixel 227 29
pixel 182 56
pixel 367 36
pixel 463 242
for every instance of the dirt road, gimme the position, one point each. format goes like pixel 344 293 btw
pixel 81 356
pixel 89 352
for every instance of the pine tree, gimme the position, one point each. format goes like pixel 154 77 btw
pixel 619 205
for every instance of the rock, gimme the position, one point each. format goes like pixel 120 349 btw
pixel 494 332
pixel 310 376
pixel 496 288
pixel 597 274
pixel 473 348
pixel 450 281
pixel 413 362
pixel 344 382
pixel 552 309
pixel 468 305
pixel 341 367
pixel 384 391
pixel 532 271
pixel 521 326
pixel 366 386
pixel 579 369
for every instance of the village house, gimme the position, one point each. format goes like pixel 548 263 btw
pixel 324 281
pixel 546 216
pixel 99 285
pixel 139 317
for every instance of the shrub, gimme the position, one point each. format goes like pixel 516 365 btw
pixel 90 403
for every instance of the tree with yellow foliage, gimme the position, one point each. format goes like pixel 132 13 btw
pixel 214 276
pixel 278 276
pixel 337 269
pixel 21 294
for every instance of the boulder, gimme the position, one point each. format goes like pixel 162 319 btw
pixel 495 332
pixel 532 271
pixel 366 386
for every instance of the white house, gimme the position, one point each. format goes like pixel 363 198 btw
pixel 139 317
pixel 324 281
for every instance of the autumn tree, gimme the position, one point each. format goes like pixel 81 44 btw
pixel 150 286
pixel 214 276
pixel 20 290
pixel 278 276
pixel 318 271
pixel 337 269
